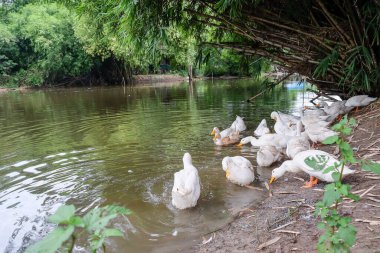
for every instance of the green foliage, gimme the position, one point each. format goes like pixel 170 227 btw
pixel 324 64
pixel 94 223
pixel 39 46
pixel 339 235
pixel 8 48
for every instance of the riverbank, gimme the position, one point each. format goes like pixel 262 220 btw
pixel 285 221
pixel 137 80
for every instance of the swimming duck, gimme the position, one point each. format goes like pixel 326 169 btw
pixel 239 170
pixel 225 133
pixel 302 162
pixel 361 100
pixel 262 129
pixel 233 138
pixel 186 189
pixel 238 125
pixel 298 143
pixel 267 155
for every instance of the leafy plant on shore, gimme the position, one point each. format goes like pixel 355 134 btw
pixel 71 226
pixel 339 234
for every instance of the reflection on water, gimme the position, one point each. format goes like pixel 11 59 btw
pixel 91 147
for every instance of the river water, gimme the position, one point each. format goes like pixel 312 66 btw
pixel 96 146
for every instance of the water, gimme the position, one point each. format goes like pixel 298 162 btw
pixel 97 146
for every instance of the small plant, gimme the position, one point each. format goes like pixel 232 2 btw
pixel 71 226
pixel 339 234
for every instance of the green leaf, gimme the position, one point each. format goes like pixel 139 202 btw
pixel 63 214
pixel 346 131
pixel 97 243
pixel 53 241
pixel 352 122
pixel 353 197
pixel 98 218
pixel 76 221
pixel 330 140
pixel 344 121
pixel 330 195
pixel 371 166
pixel 337 127
pixel 347 234
pixel 112 232
pixel 344 221
pixel 344 189
pixel 336 176
pixel 321 225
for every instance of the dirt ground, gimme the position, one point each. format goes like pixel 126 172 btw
pixel 286 218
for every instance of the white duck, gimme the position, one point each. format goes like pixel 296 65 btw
pixel 238 125
pixel 318 133
pixel 298 143
pixel 186 189
pixel 285 117
pixel 239 170
pixel 312 117
pixel 226 132
pixel 303 161
pixel 361 100
pixel 282 126
pixel 262 129
pixel 278 140
pixel 337 107
pixel 313 112
pixel 233 138
pixel 267 155
pixel 313 120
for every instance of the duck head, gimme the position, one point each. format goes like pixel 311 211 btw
pixel 279 172
pixel 245 140
pixel 187 159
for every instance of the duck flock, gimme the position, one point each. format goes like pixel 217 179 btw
pixel 291 140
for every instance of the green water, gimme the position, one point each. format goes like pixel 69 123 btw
pixel 96 146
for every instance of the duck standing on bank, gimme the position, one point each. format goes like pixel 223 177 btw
pixel 267 155
pixel 313 162
pixel 360 100
pixel 186 189
pixel 298 143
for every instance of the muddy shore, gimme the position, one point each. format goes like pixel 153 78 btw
pixel 287 217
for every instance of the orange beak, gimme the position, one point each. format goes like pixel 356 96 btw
pixel 213 132
pixel 239 145
pixel 272 179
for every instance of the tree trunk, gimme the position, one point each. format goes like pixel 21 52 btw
pixel 190 72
